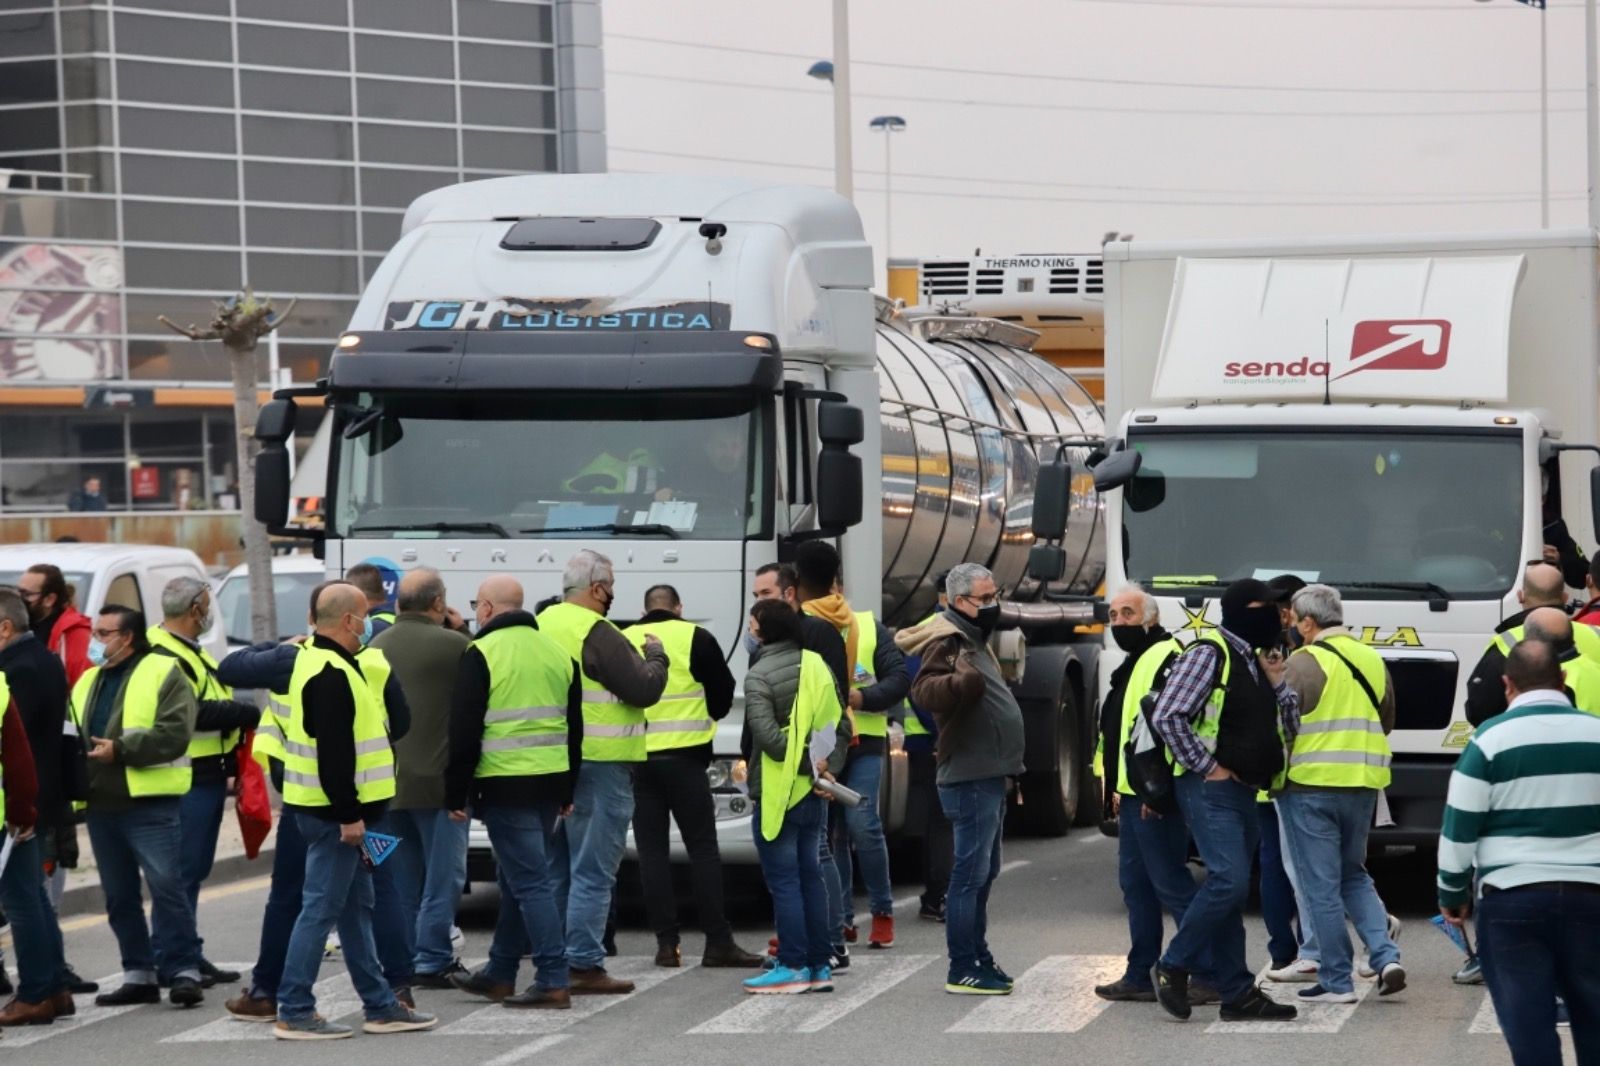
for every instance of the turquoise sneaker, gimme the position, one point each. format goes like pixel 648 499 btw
pixel 822 979
pixel 779 981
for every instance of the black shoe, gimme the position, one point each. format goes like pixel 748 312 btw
pixel 839 961
pixel 930 912
pixel 77 985
pixel 1172 991
pixel 1256 1006
pixel 185 992
pixel 129 996
pixel 217 976
pixel 441 979
pixel 5 982
pixel 609 941
pixel 1125 991
pixel 1203 995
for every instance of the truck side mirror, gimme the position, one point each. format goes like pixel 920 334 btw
pixel 1047 562
pixel 839 479
pixel 274 427
pixel 1052 500
pixel 1117 469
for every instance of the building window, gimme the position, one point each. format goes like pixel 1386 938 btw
pixel 431 146
pixel 410 57
pixel 411 102
pixel 174 268
pixel 410 18
pixel 291 183
pixel 268 91
pixel 183 131
pixel 518 66
pixel 157 175
pixel 519 109
pixel 498 21
pixel 296 138
pixel 279 46
pixel 164 83
pixel 173 38
pixel 283 227
pixel 180 223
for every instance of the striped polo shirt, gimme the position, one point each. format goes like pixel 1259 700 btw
pixel 1524 801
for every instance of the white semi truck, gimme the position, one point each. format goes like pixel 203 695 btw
pixel 692 376
pixel 1404 419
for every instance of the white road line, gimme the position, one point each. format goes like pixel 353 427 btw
pixel 529 1050
pixel 1055 995
pixel 867 978
pixel 88 1014
pixel 497 1020
pixel 1005 868
pixel 1312 1017
pixel 1485 1021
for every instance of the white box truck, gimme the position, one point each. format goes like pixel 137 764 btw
pixel 1380 415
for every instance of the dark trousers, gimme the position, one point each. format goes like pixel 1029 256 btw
pixel 35 934
pixel 283 907
pixel 923 810
pixel 1222 817
pixel 1537 944
pixel 1278 909
pixel 1153 871
pixel 675 787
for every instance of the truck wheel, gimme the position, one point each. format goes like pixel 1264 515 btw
pixel 1051 798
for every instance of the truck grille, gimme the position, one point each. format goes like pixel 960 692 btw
pixel 1424 691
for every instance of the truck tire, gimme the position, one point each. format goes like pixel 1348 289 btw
pixel 1051 799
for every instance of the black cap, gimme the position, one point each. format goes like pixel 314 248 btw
pixel 1284 586
pixel 1242 593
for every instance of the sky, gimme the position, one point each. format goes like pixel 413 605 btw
pixel 1039 125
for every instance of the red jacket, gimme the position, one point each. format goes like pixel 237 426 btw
pixel 69 641
pixel 1589 613
pixel 16 761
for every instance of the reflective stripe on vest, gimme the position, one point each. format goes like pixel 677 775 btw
pixel 1145 671
pixel 1341 742
pixel 140 696
pixel 268 743
pixel 525 724
pixel 613 731
pixel 202 677
pixel 868 723
pixel 816 708
pixel 1583 678
pixel 374 769
pixel 1585 638
pixel 681 719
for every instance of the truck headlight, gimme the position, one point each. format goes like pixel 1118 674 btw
pixel 726 774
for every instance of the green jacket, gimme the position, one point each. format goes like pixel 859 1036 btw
pixel 424 657
pixel 168 739
pixel 769 690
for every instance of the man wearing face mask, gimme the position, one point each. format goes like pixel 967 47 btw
pixel 218 729
pixel 979 754
pixel 619 681
pixel 1225 714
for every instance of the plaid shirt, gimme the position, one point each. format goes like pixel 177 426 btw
pixel 1188 688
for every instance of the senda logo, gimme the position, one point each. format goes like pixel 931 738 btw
pixel 1412 344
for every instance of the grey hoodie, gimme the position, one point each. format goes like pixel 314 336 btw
pixel 980 724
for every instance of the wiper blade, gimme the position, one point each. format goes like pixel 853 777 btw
pixel 642 529
pixel 438 527
pixel 1435 592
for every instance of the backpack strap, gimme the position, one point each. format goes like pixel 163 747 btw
pixel 1360 678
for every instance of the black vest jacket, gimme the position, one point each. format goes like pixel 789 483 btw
pixel 1247 732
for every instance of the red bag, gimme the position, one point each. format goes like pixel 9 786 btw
pixel 252 803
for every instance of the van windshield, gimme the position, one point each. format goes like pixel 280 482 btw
pixel 81 583
pixel 291 593
pixel 1345 507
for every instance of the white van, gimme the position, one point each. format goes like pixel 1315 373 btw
pixel 122 575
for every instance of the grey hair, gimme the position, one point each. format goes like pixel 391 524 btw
pixel 13 610
pixel 1152 609
pixel 419 593
pixel 179 596
pixel 1321 604
pixel 586 568
pixel 962 577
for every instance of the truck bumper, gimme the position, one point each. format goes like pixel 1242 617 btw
pixel 1416 797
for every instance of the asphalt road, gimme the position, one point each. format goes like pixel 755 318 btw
pixel 1056 923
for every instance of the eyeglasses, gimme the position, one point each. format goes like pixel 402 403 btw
pixel 474 604
pixel 102 634
pixel 28 597
pixel 984 601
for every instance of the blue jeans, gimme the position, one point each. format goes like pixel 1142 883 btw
pixel 200 813
pixel 1278 909
pixel 338 891
pixel 282 908
pixel 394 926
pixel 1325 833
pixel 791 864
pixel 529 923
pixel 1222 817
pixel 1536 945
pixel 860 826
pixel 832 889
pixel 976 810
pixel 587 850
pixel 429 877
pixel 146 837
pixel 35 934
pixel 1309 949
pixel 1152 861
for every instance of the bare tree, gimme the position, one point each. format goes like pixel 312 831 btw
pixel 239 323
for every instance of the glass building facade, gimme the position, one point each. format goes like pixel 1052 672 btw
pixel 156 155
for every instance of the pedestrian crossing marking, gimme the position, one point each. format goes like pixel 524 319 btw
pixel 528 1050
pixel 1055 995
pixel 335 996
pixel 1312 1017
pixel 865 980
pixel 496 1020
pixel 1485 1021
pixel 88 1014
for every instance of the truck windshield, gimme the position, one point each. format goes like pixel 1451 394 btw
pixel 535 465
pixel 1345 506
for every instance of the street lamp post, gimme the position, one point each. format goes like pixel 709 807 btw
pixel 838 72
pixel 888 125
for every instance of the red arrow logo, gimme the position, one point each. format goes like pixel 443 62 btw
pixel 1415 344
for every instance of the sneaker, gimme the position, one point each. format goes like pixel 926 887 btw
pixel 399 1019
pixel 208 969
pixel 1392 979
pixel 185 992
pixel 1471 972
pixel 850 934
pixel 1395 925
pixel 1365 970
pixel 404 997
pixel 977 982
pixel 1298 970
pixel 77 985
pixel 931 912
pixel 1203 995
pixel 438 978
pixel 128 995
pixel 840 959
pixel 458 939
pixel 1255 1006
pixel 992 968
pixel 779 981
pixel 882 935
pixel 1172 991
pixel 1123 990
pixel 1318 994
pixel 315 1027
pixel 822 979
pixel 331 950
pixel 249 1007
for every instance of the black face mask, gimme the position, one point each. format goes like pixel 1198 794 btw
pixel 1131 639
pixel 987 618
pixel 1260 627
pixel 611 597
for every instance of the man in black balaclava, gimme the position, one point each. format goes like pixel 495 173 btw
pixel 1220 713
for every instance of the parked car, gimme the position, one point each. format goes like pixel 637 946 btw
pixel 293 578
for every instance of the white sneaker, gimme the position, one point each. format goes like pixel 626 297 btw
pixel 457 938
pixel 1318 994
pixel 1301 970
pixel 1395 925
pixel 1392 980
pixel 332 948
pixel 1365 970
